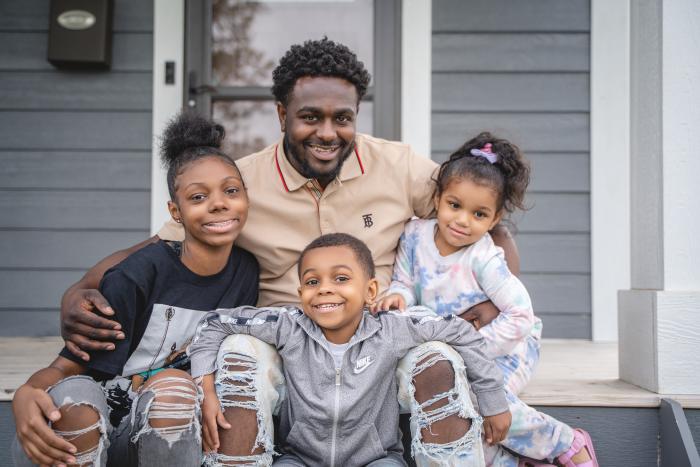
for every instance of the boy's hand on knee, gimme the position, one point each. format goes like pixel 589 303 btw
pixel 212 416
pixel 390 302
pixel 32 408
pixel 496 427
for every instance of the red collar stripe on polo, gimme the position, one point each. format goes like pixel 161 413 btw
pixel 279 171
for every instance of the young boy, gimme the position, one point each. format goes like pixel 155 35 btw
pixel 340 365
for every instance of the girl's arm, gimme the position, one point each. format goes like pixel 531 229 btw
pixel 510 296
pixel 33 406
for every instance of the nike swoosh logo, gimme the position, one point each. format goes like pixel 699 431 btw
pixel 362 365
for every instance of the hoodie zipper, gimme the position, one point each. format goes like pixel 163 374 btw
pixel 336 409
pixel 169 313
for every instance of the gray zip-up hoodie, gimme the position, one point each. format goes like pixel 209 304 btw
pixel 347 416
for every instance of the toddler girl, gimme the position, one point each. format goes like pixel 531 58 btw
pixel 137 404
pixel 450 264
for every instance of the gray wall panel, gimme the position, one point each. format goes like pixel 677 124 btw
pixel 554 252
pixel 558 293
pixel 30 323
pixel 34 289
pixel 60 249
pixel 531 131
pixel 75 130
pixel 566 325
pixel 97 170
pixel 510 15
pixel 498 52
pixel 521 71
pixel 30 209
pixel 70 91
pixel 499 92
pixel 554 212
pixel 552 172
pixel 693 418
pixel 25 15
pixel 622 437
pixel 74 159
pixel 27 51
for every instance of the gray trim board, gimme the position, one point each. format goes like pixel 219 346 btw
pixel 677 446
pixel 26 51
pixel 498 52
pixel 507 16
pixel 693 418
pixel 75 170
pixel 545 131
pixel 28 15
pixel 64 249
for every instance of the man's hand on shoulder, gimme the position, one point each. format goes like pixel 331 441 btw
pixel 481 314
pixel 81 326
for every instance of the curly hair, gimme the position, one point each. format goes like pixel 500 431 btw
pixel 358 247
pixel 318 58
pixel 186 138
pixel 509 175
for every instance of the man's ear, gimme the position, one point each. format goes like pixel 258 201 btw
pixel 372 290
pixel 282 115
pixel 174 212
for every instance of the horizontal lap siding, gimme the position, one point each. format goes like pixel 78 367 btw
pixel 521 70
pixel 75 156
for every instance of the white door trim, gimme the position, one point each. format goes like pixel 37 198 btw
pixel 168 45
pixel 610 162
pixel 416 69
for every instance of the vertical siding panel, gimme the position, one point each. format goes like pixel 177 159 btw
pixel 521 70
pixel 74 159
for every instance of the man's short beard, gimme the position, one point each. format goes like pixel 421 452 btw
pixel 309 172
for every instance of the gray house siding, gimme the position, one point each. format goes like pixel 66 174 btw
pixel 75 151
pixel 521 70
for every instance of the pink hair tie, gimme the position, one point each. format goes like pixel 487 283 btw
pixel 486 153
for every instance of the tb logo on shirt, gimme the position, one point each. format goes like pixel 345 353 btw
pixel 368 220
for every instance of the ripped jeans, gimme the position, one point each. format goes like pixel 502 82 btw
pixel 135 442
pixel 262 386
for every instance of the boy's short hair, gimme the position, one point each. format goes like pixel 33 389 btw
pixel 362 253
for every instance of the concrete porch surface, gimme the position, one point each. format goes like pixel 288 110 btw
pixel 571 373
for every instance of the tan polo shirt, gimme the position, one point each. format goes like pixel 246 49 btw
pixel 382 185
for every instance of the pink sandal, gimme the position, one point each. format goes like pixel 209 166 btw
pixel 581 440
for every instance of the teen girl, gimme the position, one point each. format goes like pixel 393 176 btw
pixel 138 404
pixel 450 264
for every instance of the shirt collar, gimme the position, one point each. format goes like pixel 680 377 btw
pixel 292 180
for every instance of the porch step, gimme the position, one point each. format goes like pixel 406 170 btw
pixel 576 382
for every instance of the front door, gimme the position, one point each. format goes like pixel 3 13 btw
pixel 232 46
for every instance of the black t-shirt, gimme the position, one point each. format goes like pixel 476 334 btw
pixel 159 302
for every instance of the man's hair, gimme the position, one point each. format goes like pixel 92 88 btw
pixel 318 58
pixel 358 247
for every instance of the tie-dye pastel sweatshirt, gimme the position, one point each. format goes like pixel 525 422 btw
pixel 452 284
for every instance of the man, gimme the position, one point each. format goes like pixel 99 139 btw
pixel 322 177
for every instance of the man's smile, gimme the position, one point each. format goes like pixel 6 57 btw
pixel 323 152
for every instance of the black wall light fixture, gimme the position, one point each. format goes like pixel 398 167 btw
pixel 80 34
